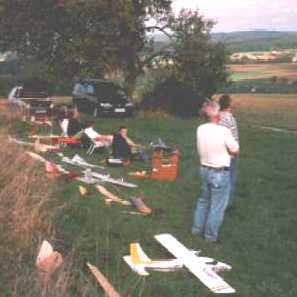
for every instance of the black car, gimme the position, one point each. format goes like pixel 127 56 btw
pixel 101 98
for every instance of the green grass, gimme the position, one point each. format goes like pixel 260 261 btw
pixel 258 236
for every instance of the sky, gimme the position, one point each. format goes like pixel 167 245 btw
pixel 242 15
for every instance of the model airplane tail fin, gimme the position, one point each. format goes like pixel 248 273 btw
pixel 138 256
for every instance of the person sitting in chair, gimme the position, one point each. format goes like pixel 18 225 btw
pixel 124 148
pixel 97 139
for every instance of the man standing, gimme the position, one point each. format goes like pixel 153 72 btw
pixel 228 120
pixel 215 144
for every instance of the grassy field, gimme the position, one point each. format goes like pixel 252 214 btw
pixel 275 110
pixel 258 237
pixel 264 70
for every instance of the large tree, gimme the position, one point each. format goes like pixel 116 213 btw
pixel 79 37
pixel 99 38
pixel 193 57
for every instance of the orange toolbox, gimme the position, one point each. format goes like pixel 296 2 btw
pixel 165 165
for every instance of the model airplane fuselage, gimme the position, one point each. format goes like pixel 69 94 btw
pixel 204 268
pixel 139 262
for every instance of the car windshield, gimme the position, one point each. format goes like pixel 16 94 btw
pixel 25 93
pixel 111 93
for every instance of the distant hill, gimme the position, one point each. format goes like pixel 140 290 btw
pixel 247 41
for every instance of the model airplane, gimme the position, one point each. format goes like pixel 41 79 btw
pixel 51 136
pixel 203 268
pixel 139 262
pixel 160 145
pixel 106 178
pixel 39 147
pixel 79 161
pixel 109 197
pixel 103 281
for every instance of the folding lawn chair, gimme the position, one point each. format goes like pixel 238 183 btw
pixel 97 141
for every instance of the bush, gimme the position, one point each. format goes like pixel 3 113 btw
pixel 174 97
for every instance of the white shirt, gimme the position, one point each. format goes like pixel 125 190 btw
pixel 214 143
pixel 91 133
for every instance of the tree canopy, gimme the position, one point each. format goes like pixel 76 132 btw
pixel 99 38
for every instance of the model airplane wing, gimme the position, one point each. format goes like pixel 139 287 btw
pixel 79 161
pixel 103 281
pixel 108 179
pixel 195 264
pixel 111 197
pixel 36 156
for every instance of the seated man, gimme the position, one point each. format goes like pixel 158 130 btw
pixel 74 125
pixel 97 139
pixel 124 148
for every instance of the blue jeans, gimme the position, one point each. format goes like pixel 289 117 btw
pixel 233 177
pixel 212 203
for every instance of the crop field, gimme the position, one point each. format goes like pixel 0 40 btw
pixel 263 70
pixel 275 110
pixel 258 236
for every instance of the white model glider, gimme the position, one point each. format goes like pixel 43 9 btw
pixel 203 268
pixel 79 161
pixel 107 178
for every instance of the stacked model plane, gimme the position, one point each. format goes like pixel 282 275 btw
pixel 203 268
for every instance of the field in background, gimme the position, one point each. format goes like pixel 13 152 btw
pixel 264 70
pixel 276 110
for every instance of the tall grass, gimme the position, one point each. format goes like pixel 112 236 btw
pixel 26 217
pixel 28 211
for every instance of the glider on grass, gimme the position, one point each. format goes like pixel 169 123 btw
pixel 204 268
pixel 79 161
pixel 98 177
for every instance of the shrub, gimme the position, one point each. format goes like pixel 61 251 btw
pixel 174 97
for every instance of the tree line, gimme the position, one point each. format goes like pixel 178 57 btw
pixel 114 38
